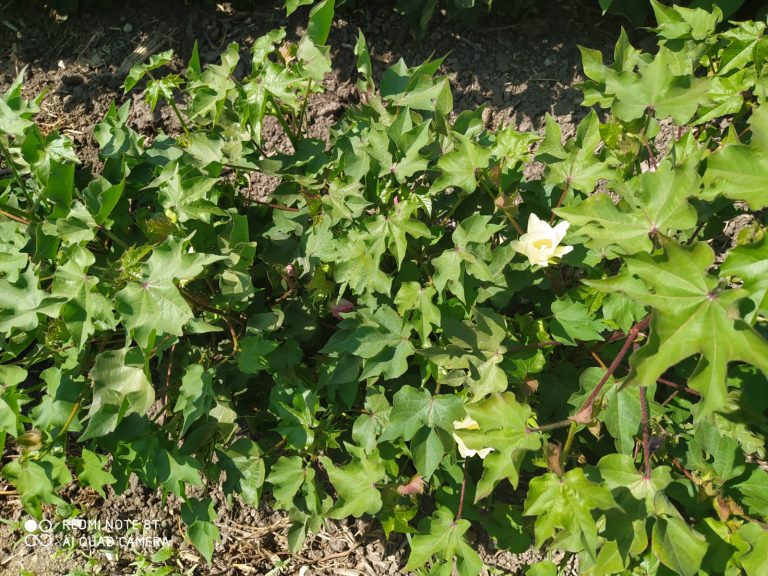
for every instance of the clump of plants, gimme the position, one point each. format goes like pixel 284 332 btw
pixel 406 328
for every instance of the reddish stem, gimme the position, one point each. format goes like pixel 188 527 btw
pixel 678 386
pixel 646 433
pixel 633 334
pixel 463 490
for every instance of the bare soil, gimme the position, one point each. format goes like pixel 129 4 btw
pixel 521 69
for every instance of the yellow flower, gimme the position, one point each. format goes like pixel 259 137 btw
pixel 468 424
pixel 540 241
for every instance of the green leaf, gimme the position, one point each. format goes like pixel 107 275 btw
pixel 92 471
pixel 196 395
pixel 573 321
pixel 750 264
pixel 120 387
pixel 155 303
pixel 657 88
pixel 618 470
pixel 566 503
pixel 356 486
pixel 292 5
pixel 320 20
pixel 22 301
pixel 678 546
pixel 86 308
pixel 60 187
pixel 200 518
pixel 245 470
pixel 413 296
pixel 578 164
pixel 286 476
pixel 692 315
pixel 755 491
pixel 38 481
pixel 413 408
pixel 740 171
pixel 654 202
pixel 502 424
pixel 459 167
pixel 427 450
pixel 442 537
pixel 176 471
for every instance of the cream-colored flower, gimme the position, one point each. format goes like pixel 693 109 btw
pixel 540 241
pixel 468 423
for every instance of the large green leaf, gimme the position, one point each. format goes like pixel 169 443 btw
pixel 750 264
pixel 740 171
pixel 577 164
pixel 459 167
pixel 654 202
pixel 678 546
pixel 356 485
pixel 120 386
pixel 502 422
pixel 86 309
pixel 692 315
pixel 566 503
pixel 658 89
pixel 154 303
pixel 414 408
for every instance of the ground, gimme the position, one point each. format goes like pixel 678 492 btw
pixel 521 70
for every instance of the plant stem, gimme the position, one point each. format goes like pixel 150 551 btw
pixel 568 443
pixel 509 217
pixel 304 107
pixel 585 412
pixel 646 434
pixel 552 426
pixel 16 176
pixel 179 116
pixel 678 386
pixel 12 217
pixel 114 238
pixel 275 206
pixel 695 233
pixel 561 199
pixel 463 490
pixel 283 123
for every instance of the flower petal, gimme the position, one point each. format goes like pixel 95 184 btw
pixel 561 229
pixel 562 250
pixel 467 423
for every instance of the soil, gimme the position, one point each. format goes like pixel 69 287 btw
pixel 521 69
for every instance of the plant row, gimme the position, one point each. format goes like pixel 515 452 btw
pixel 405 327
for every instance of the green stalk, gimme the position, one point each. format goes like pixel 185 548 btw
pixel 178 115
pixel 283 123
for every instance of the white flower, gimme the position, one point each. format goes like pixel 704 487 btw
pixel 540 241
pixel 468 424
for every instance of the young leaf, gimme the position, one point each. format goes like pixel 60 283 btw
pixel 442 537
pixel 566 503
pixel 92 471
pixel 356 485
pixel 199 516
